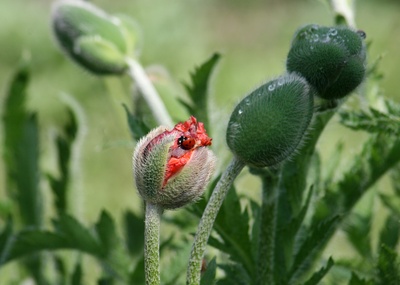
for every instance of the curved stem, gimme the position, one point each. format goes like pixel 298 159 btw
pixel 208 218
pixel 149 93
pixel 152 244
pixel 267 233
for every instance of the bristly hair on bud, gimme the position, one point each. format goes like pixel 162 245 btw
pixel 332 59
pixel 172 167
pixel 267 126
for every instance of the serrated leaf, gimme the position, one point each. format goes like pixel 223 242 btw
pixel 358 229
pixel 388 267
pixel 355 280
pixel 136 125
pixel 208 277
pixel 317 276
pixel 373 120
pixel 199 88
pixel 390 233
pixel 114 252
pixel 311 246
pixel 59 185
pixel 232 225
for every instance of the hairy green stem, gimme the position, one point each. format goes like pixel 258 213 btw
pixel 267 233
pixel 152 244
pixel 149 93
pixel 208 218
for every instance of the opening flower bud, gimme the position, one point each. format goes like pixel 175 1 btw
pixel 173 167
pixel 267 126
pixel 332 59
pixel 97 41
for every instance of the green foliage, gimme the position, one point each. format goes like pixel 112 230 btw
pixel 373 120
pixel 199 90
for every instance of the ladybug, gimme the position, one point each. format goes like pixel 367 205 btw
pixel 186 143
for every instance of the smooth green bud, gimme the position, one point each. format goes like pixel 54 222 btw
pixel 332 59
pixel 97 41
pixel 267 126
pixel 172 168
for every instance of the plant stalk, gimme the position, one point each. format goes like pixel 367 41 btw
pixel 268 228
pixel 149 93
pixel 152 244
pixel 208 219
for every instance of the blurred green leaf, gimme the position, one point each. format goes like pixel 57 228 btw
pixel 355 280
pixel 390 233
pixel 208 277
pixel 115 254
pixel 77 275
pixel 60 270
pixel 358 230
pixel 134 233
pixel 5 239
pixel 373 120
pixel 198 90
pixel 64 143
pixel 312 245
pixel 137 126
pixel 317 276
pixel 235 274
pixel 388 267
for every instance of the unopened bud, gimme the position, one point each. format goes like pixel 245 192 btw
pixel 267 126
pixel 332 59
pixel 97 41
pixel 173 167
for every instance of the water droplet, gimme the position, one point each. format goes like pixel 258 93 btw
pixel 247 101
pixel 333 32
pixel 240 111
pixel 271 87
pixel 313 28
pixel 362 34
pixel 281 81
pixel 311 47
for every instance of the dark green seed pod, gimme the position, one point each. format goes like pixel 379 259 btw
pixel 332 59
pixel 267 126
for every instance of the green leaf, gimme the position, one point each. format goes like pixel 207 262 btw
pixel 373 120
pixel 136 125
pixel 317 276
pixel 198 90
pixel 208 277
pixel 311 247
pixel 5 240
pixel 77 275
pixel 134 233
pixel 115 253
pixel 358 229
pixel 390 233
pixel 355 280
pixel 64 143
pixel 388 267
pixel 235 274
pixel 232 225
pixel 60 270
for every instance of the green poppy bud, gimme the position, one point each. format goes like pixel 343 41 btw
pixel 332 59
pixel 172 168
pixel 97 41
pixel 267 126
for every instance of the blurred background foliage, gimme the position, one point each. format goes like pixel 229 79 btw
pixel 253 37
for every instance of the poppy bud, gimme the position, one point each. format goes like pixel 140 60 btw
pixel 97 41
pixel 332 59
pixel 267 126
pixel 173 167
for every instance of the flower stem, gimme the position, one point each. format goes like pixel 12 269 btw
pixel 152 244
pixel 149 93
pixel 208 218
pixel 267 233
